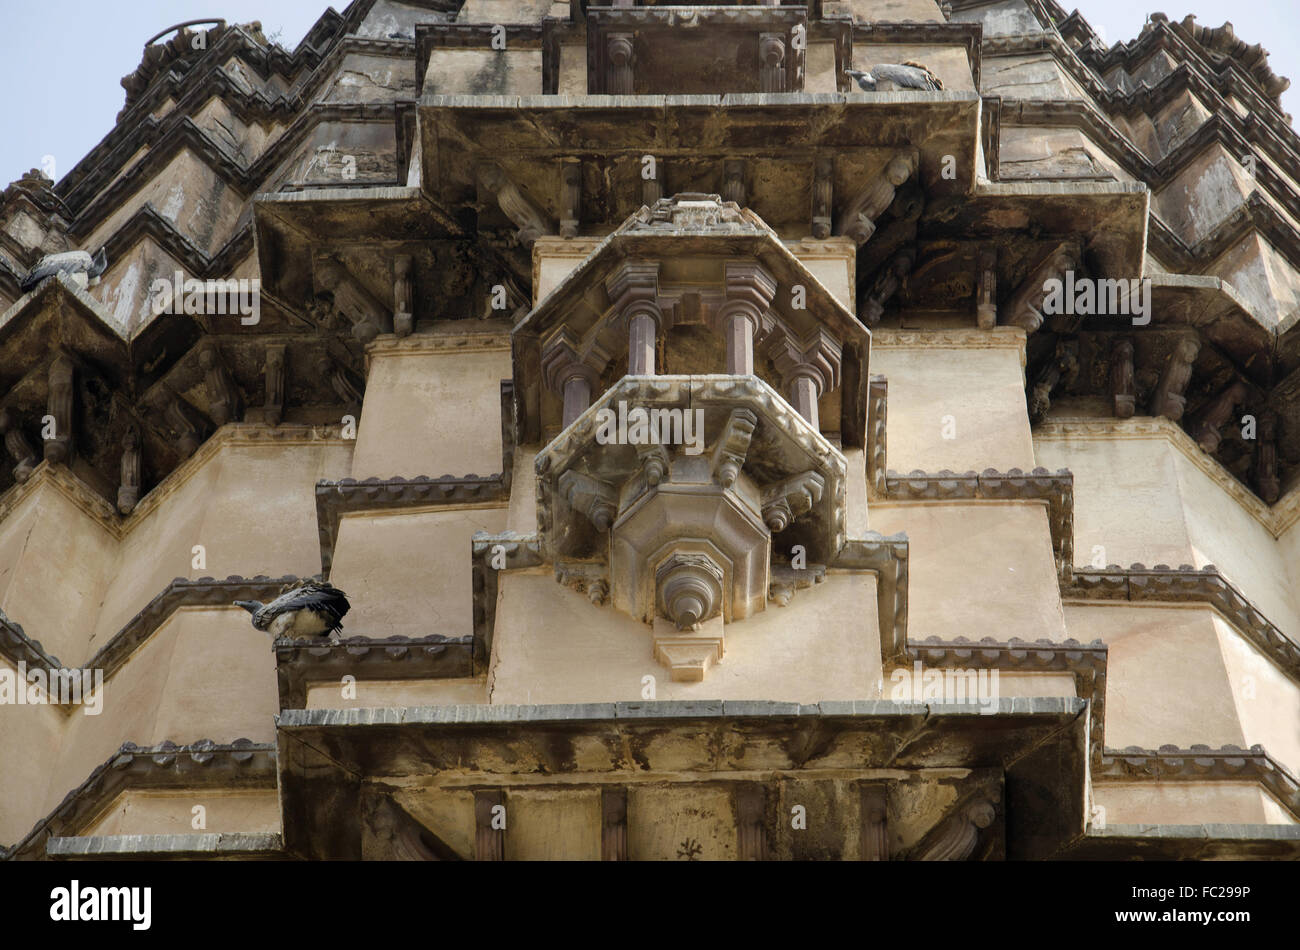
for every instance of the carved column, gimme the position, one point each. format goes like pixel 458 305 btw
pixel 733 182
pixel 613 824
pixel 489 842
pixel 1220 411
pixel 874 830
pixel 751 826
pixel 1025 308
pixel 986 289
pixel 622 61
pixel 570 374
pixel 20 450
pixel 1168 400
pixel 1122 397
pixel 750 290
pixel 128 491
pixel 822 196
pixel 634 289
pixel 771 59
pixel 274 375
pixel 1266 479
pixel 58 448
pixel 223 395
pixel 808 368
pixel 570 196
pixel 403 296
pixel 859 219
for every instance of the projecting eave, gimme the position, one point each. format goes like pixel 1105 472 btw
pixel 779 137
pixel 55 316
pixel 1187 843
pixel 327 755
pixel 1109 217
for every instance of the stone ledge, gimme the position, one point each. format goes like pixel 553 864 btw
pixel 1186 584
pixel 299 665
pixel 224 844
pixel 202 764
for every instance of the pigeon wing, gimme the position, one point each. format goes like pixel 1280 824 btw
pixel 322 598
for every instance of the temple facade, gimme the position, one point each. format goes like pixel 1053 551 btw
pixel 862 430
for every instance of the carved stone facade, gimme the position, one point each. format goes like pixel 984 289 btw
pixel 576 345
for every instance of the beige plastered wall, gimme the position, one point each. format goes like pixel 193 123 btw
pixel 431 411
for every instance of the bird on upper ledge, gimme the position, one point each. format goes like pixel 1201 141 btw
pixel 79 266
pixel 314 609
pixel 904 75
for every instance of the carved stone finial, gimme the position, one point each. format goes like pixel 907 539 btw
pixel 20 450
pixel 688 589
pixel 1168 400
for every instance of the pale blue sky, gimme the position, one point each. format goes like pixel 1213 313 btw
pixel 61 61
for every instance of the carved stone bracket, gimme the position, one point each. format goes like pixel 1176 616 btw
pixel 858 220
pixel 732 446
pixel 1218 413
pixel 956 837
pixel 1024 309
pixel 785 580
pixel 58 447
pixel 1123 397
pixel 986 289
pixel 585 577
pixel 128 491
pixel 823 196
pixel 594 499
pixel 19 449
pixel 273 408
pixel 784 502
pixel 886 284
pixel 530 222
pixel 570 197
pixel 368 316
pixel 403 296
pixel 223 395
pixel 1057 374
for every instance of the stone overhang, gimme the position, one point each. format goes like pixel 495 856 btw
pixel 778 135
pixel 333 761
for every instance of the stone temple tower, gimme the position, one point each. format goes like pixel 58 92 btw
pixel 854 429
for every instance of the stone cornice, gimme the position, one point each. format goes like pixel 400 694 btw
pixel 422 344
pixel 952 339
pixel 245 846
pixel 1085 661
pixel 300 665
pixel 1275 519
pixel 887 555
pixel 1057 489
pixel 347 496
pixel 1186 584
pixel 202 764
pixel 1200 763
pixel 520 551
pixel 16 646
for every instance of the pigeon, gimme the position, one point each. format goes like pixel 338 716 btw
pixel 905 76
pixel 79 266
pixel 312 610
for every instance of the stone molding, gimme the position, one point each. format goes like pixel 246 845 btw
pixel 952 339
pixel 347 496
pixel 1200 763
pixel 202 764
pixel 1057 489
pixel 1186 584
pixel 299 666
pixel 519 551
pixel 243 846
pixel 1276 518
pixel 887 555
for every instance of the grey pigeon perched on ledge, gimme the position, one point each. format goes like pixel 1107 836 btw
pixel 313 610
pixel 904 75
pixel 83 269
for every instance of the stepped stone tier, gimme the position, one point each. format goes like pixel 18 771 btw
pixel 701 441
